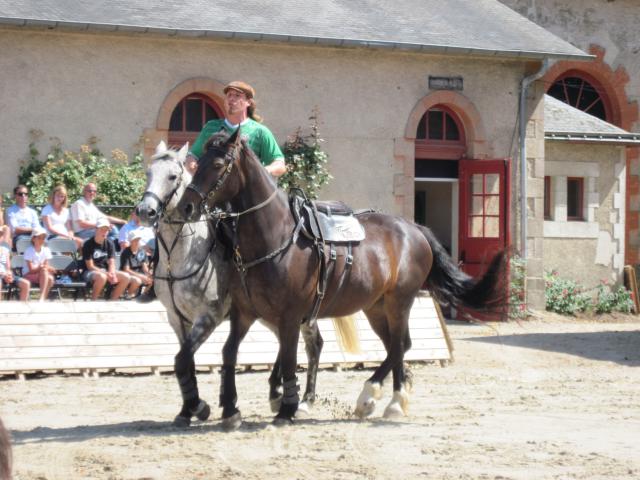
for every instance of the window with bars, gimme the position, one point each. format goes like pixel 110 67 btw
pixel 582 93
pixel 438 124
pixel 440 135
pixel 192 113
pixel 189 116
pixel 484 211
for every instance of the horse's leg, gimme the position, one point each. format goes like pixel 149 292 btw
pixel 399 405
pixel 231 417
pixel 185 369
pixel 389 318
pixel 288 335
pixel 372 389
pixel 275 386
pixel 313 345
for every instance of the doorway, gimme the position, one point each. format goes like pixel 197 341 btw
pixel 436 206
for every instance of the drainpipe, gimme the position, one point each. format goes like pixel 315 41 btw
pixel 526 82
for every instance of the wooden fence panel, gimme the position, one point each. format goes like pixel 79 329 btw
pixel 117 335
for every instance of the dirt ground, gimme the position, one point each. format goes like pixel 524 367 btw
pixel 549 398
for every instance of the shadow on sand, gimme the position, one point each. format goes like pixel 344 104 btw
pixel 146 428
pixel 622 347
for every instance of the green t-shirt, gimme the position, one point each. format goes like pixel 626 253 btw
pixel 259 138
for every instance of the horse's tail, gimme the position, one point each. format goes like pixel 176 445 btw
pixel 347 334
pixel 450 285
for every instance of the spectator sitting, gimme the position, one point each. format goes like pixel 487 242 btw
pixel 134 261
pixel 148 237
pixel 85 215
pixel 6 273
pixel 55 216
pixel 36 263
pixel 98 253
pixel 5 231
pixel 21 218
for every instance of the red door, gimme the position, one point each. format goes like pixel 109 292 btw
pixel 484 212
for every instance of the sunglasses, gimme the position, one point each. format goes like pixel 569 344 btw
pixel 91 191
pixel 22 194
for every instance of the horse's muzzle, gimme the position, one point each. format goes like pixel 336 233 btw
pixel 147 214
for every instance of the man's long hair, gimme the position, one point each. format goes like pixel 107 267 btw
pixel 251 111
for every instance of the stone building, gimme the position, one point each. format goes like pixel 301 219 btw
pixel 607 87
pixel 420 104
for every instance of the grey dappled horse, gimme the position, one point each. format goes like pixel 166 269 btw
pixel 194 289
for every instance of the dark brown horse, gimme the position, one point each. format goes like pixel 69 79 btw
pixel 389 267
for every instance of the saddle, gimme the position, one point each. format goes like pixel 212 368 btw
pixel 329 221
pixel 326 224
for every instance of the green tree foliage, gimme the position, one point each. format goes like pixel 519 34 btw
pixel 119 181
pixel 306 161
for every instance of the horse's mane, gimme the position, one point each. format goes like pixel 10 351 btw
pixel 218 141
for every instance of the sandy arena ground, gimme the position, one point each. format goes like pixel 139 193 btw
pixel 538 400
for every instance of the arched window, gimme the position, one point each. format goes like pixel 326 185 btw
pixel 189 116
pixel 440 135
pixel 582 92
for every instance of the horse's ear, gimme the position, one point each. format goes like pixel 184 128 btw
pixel 161 148
pixel 182 153
pixel 235 138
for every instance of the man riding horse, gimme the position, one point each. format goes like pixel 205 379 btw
pixel 240 108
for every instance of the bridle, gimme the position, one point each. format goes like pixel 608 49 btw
pixel 170 278
pixel 229 157
pixel 163 203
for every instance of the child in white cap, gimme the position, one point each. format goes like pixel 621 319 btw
pixel 36 263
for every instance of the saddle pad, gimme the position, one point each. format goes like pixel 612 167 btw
pixel 340 228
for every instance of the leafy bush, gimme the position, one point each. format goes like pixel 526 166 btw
pixel 608 301
pixel 119 181
pixel 517 299
pixel 564 296
pixel 306 161
pixel 568 297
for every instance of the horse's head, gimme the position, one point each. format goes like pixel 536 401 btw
pixel 218 178
pixel 167 178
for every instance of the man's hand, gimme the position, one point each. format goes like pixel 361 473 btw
pixel 191 164
pixel 277 168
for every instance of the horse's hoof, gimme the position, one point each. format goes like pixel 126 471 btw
pixel 275 404
pixel 399 405
pixel 304 410
pixel 393 411
pixel 366 403
pixel 203 411
pixel 366 409
pixel 181 421
pixel 232 423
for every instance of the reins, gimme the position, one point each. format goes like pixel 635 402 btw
pixel 170 278
pixel 240 264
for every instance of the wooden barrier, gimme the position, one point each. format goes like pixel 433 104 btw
pixel 89 336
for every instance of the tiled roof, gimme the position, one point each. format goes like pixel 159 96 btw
pixel 484 27
pixel 564 122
